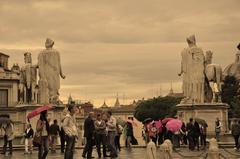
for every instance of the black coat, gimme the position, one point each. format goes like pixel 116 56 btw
pixel 88 127
pixel 190 129
pixel 29 134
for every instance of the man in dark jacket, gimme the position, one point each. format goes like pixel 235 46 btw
pixel 54 130
pixel 236 133
pixel 190 134
pixel 89 135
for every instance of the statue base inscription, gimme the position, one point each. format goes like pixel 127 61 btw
pixel 206 111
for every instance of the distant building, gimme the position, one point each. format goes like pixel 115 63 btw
pixel 173 94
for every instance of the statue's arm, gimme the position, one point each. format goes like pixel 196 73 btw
pixel 181 71
pixel 60 67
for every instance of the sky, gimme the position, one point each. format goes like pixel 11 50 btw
pixel 125 47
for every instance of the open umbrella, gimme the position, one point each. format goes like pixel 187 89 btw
pixel 158 125
pixel 38 111
pixel 132 122
pixel 165 120
pixel 174 125
pixel 147 120
pixel 4 120
pixel 201 122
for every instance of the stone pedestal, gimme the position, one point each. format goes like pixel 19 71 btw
pixel 18 115
pixel 207 111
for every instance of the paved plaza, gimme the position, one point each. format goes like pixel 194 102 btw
pixel 135 153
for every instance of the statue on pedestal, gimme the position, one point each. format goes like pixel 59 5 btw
pixel 192 69
pixel 49 65
pixel 28 81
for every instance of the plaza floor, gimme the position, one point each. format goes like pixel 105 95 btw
pixel 134 153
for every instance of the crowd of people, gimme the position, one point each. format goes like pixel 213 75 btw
pixel 101 130
pixel 193 134
pixel 104 131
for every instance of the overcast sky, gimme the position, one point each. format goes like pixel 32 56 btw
pixel 127 46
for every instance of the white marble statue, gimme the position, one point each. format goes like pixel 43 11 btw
pixel 192 70
pixel 28 81
pixel 234 68
pixel 166 150
pixel 213 152
pixel 49 64
pixel 151 150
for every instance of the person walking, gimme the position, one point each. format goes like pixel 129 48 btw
pixel 89 135
pixel 7 138
pixel 196 135
pixel 118 136
pixel 111 127
pixel 236 133
pixel 62 138
pixel 54 131
pixel 217 129
pixel 183 134
pixel 70 129
pixel 190 134
pixel 42 128
pixel 100 135
pixel 28 135
pixel 203 135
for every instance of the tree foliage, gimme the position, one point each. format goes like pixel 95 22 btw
pixel 231 94
pixel 157 108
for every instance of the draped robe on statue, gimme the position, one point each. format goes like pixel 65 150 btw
pixel 49 71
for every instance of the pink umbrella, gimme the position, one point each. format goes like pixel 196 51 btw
pixel 38 111
pixel 164 121
pixel 174 125
pixel 158 125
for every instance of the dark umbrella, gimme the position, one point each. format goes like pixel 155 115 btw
pixel 147 120
pixel 38 111
pixel 4 116
pixel 4 120
pixel 201 122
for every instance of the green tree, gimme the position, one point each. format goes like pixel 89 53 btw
pixel 157 108
pixel 230 95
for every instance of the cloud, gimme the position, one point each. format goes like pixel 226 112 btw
pixel 123 46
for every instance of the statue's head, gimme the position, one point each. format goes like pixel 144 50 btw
pixel 49 43
pixel 191 40
pixel 209 55
pixel 15 68
pixel 27 57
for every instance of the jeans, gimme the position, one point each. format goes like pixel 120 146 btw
pixel 88 147
pixel 101 140
pixel 203 140
pixel 45 147
pixel 62 139
pixel 236 141
pixel 69 147
pixel 117 142
pixel 191 142
pixel 53 142
pixel 111 139
pixel 6 142
pixel 218 136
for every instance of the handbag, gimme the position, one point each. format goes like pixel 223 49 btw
pixel 37 139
